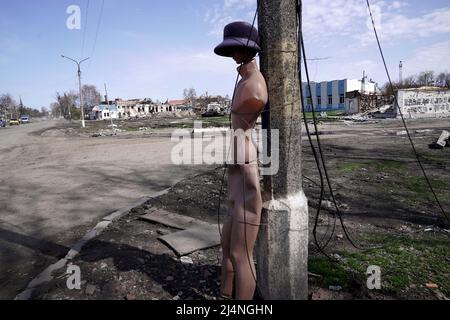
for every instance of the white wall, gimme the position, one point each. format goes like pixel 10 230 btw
pixel 424 104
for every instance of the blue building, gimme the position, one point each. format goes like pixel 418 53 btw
pixel 331 95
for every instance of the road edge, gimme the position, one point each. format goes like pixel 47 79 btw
pixel 46 275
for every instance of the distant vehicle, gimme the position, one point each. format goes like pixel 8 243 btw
pixel 24 119
pixel 2 123
pixel 210 113
pixel 14 122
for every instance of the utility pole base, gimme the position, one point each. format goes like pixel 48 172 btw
pixel 282 249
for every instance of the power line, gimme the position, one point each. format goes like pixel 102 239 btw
pixel 98 28
pixel 403 118
pixel 97 32
pixel 85 29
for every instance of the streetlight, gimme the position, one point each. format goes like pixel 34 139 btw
pixel 79 84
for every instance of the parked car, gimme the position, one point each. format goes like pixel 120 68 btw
pixel 24 119
pixel 14 122
pixel 210 113
pixel 2 123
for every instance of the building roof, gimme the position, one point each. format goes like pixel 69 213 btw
pixel 425 89
pixel 103 107
pixel 177 102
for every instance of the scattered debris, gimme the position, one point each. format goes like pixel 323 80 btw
pixel 442 142
pixel 162 232
pixel 90 289
pixel 337 257
pixel 424 131
pixel 335 288
pixel 431 285
pixel 186 260
pixel 313 275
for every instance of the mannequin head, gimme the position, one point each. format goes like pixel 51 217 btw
pixel 242 55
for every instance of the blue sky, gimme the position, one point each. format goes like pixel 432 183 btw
pixel 157 48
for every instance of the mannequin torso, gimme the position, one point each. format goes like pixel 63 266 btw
pixel 250 99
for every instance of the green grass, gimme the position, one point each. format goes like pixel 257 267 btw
pixel 386 166
pixel 333 274
pixel 403 178
pixel 404 261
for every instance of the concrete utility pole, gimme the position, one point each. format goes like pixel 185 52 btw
pixel 400 72
pixel 83 124
pixel 282 250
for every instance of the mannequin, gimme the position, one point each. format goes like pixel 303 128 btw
pixel 242 222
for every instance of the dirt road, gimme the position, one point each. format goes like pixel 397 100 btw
pixel 55 188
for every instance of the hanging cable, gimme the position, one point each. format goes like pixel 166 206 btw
pixel 319 146
pixel 316 157
pixel 396 105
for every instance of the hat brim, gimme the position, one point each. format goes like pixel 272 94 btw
pixel 228 46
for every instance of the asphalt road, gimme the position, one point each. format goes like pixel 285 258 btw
pixel 54 189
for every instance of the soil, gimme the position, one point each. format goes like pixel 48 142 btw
pixel 385 203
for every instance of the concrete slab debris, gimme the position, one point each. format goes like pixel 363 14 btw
pixel 442 142
pixel 443 138
pixel 195 235
pixel 172 220
pixel 193 239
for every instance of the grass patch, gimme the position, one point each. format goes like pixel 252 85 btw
pixel 333 274
pixel 391 166
pixel 406 263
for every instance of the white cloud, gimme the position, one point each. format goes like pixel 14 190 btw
pixel 229 11
pixel 435 57
pixel 326 19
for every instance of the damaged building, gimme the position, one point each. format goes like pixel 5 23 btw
pixel 424 102
pixel 334 95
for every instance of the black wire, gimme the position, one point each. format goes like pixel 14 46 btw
pixel 316 157
pixel 403 118
pixel 344 228
pixel 85 29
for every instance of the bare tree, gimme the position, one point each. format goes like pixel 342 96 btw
pixel 191 96
pixel 91 96
pixel 67 104
pixel 426 78
pixel 8 106
pixel 55 108
pixel 443 80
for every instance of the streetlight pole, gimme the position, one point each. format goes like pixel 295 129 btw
pixel 79 86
